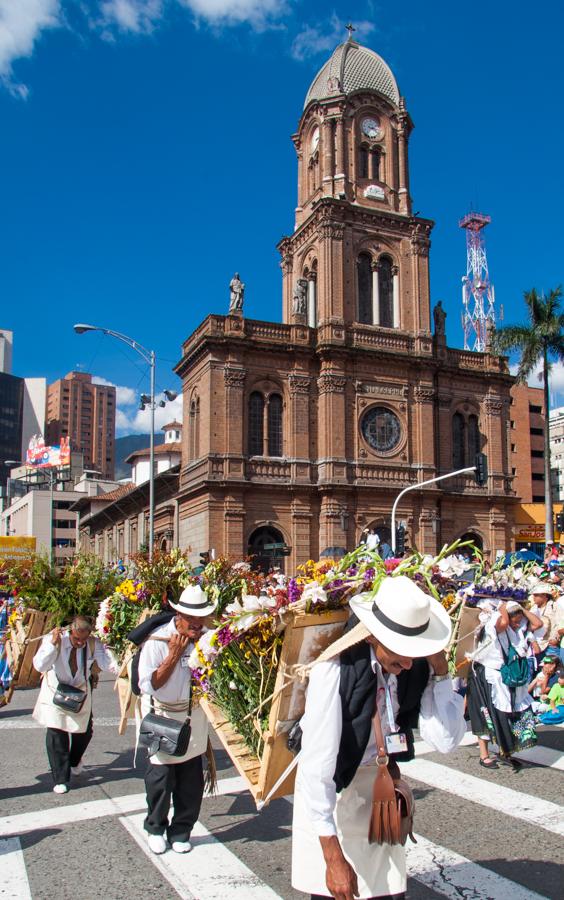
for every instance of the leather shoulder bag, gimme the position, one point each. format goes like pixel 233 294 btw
pixel 160 734
pixel 393 804
pixel 69 697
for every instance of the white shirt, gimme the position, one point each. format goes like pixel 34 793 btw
pixel 153 653
pixel 56 657
pixel 372 542
pixel 441 724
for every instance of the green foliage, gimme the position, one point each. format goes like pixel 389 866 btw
pixel 168 573
pixel 75 590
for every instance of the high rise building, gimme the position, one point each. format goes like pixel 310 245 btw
pixel 84 412
pixel 22 409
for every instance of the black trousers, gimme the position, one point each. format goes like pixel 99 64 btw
pixel 381 897
pixel 65 750
pixel 184 783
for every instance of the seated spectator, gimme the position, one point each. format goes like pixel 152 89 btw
pixel 556 693
pixel 546 678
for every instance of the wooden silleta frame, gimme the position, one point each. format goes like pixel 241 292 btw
pixel 305 637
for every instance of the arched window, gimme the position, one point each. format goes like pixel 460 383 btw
pixel 364 277
pixel 194 433
pixel 256 424
pixel 275 425
pixel 473 439
pixel 458 441
pixel 375 160
pixel 386 292
pixel 363 162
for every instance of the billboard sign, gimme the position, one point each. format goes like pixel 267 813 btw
pixel 16 548
pixel 40 456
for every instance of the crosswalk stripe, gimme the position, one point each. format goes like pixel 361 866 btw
pixel 93 809
pixel 211 869
pixel 454 876
pixel 533 810
pixel 539 755
pixel 14 884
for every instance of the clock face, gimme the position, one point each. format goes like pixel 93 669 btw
pixel 314 140
pixel 371 127
pixel 381 429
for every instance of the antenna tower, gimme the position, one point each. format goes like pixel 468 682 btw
pixel 478 295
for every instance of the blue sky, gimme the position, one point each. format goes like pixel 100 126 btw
pixel 146 156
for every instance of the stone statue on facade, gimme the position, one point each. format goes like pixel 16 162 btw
pixel 439 318
pixel 236 294
pixel 299 300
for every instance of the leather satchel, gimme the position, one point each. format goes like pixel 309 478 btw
pixel 393 803
pixel 69 698
pixel 162 735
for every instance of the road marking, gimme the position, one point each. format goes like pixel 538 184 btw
pixel 539 755
pixel 13 875
pixel 211 868
pixel 455 876
pixel 93 809
pixel 19 724
pixel 532 810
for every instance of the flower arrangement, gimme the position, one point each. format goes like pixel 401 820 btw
pixel 235 665
pixel 513 582
pixel 120 612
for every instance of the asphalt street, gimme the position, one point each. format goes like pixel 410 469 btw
pixel 491 835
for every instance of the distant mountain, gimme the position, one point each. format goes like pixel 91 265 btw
pixel 126 445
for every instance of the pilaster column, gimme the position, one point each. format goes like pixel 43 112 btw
pixel 328 168
pixel 396 296
pixel 375 295
pixel 312 300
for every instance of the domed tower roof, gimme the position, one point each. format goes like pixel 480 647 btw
pixel 353 68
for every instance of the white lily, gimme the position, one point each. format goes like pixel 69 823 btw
pixel 313 593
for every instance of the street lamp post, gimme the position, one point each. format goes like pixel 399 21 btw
pixel 149 357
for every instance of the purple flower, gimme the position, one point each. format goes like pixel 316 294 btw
pixel 224 636
pixel 294 591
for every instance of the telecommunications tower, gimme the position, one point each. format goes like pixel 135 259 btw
pixel 478 296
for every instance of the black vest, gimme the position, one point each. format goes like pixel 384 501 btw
pixel 358 688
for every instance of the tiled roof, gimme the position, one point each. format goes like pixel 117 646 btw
pixel 160 450
pixel 353 68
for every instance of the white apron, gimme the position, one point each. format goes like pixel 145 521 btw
pixel 198 735
pixel 380 867
pixel 51 716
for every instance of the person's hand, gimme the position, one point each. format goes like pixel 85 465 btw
pixel 177 645
pixel 341 880
pixel 56 636
pixel 438 663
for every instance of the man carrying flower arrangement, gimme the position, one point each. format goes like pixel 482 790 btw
pixel 165 681
pixel 64 706
pixel 389 671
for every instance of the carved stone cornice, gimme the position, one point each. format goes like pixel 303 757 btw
pixel 424 394
pixel 299 384
pixel 493 406
pixel 328 230
pixel 328 383
pixel 234 376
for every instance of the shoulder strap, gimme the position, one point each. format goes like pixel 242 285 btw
pixel 380 742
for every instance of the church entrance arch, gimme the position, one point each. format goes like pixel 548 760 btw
pixel 475 538
pixel 260 558
pixel 382 529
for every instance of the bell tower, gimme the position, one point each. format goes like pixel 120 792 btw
pixel 357 257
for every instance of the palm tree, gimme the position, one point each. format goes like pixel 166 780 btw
pixel 541 341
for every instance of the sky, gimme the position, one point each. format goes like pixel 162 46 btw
pixel 145 156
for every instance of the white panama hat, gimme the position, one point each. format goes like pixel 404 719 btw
pixel 403 618
pixel 541 588
pixel 193 601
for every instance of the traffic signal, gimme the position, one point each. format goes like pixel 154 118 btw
pixel 481 473
pixel 204 558
pixel 560 521
pixel 400 540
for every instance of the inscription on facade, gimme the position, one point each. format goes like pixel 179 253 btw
pixel 381 390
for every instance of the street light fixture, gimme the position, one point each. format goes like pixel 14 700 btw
pixel 146 400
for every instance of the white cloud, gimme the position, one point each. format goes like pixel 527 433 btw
pixel 322 38
pixel 555 380
pixel 125 396
pixel 139 16
pixel 256 12
pixel 21 25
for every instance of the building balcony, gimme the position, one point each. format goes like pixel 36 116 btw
pixel 268 469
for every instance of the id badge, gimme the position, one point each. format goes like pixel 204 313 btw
pixel 396 742
pixel 184 662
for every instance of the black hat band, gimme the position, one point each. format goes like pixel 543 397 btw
pixel 183 603
pixel 406 630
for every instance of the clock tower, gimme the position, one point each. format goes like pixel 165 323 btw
pixel 357 257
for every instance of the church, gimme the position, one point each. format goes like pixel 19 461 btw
pixel 301 434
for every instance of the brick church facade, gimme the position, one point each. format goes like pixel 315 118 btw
pixel 304 432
